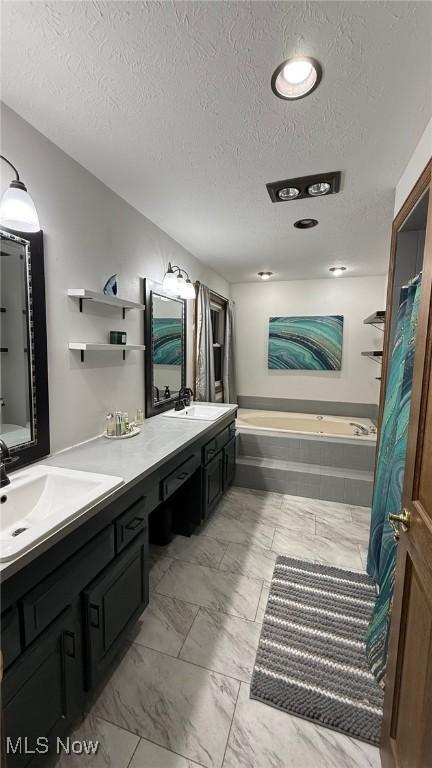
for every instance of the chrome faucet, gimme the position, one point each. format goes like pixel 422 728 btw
pixel 361 427
pixel 5 459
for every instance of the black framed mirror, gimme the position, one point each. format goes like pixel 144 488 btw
pixel 24 409
pixel 165 340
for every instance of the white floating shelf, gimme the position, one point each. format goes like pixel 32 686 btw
pixel 85 294
pixel 88 346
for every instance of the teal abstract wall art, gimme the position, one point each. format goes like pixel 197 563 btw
pixel 167 341
pixel 311 343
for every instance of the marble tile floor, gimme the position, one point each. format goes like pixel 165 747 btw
pixel 179 697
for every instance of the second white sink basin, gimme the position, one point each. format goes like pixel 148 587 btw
pixel 41 499
pixel 198 412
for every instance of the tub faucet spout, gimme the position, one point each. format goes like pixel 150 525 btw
pixel 364 430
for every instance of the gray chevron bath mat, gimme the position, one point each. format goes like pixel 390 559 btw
pixel 311 655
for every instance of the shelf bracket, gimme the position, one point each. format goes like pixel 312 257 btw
pixel 82 355
pixel 81 305
pixel 124 354
pixel 124 313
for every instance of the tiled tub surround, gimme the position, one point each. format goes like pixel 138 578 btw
pixel 180 696
pixel 331 468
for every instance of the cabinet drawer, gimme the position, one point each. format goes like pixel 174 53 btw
pixel 10 636
pixel 53 594
pixel 131 523
pixel 214 446
pixel 111 605
pixel 180 475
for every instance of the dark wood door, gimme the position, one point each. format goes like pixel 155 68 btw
pixel 212 484
pixel 112 603
pixel 229 462
pixel 407 727
pixel 42 693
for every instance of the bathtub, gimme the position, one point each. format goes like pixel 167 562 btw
pixel 307 424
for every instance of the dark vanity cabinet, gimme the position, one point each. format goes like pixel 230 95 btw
pixel 219 460
pixel 67 615
pixel 42 694
pixel 111 603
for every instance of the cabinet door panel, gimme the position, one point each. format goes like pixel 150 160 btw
pixel 112 603
pixel 230 456
pixel 42 692
pixel 213 483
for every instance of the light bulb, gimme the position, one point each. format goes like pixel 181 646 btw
pixel 170 281
pixel 296 77
pixel 189 290
pixel 297 71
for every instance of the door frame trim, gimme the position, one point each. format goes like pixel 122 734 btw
pixel 422 183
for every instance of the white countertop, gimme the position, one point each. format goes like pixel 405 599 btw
pixel 133 460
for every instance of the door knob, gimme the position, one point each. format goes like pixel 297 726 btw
pixel 402 519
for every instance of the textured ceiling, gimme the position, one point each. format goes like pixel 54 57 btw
pixel 170 105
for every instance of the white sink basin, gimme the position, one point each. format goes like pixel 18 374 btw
pixel 198 412
pixel 41 499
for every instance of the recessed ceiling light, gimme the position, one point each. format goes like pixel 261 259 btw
pixel 319 189
pixel 336 271
pixel 265 275
pixel 305 223
pixel 296 77
pixel 288 193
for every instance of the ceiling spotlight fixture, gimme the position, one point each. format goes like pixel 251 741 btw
pixel 265 275
pixel 305 223
pixel 296 78
pixel 316 190
pixel 17 209
pixel 336 271
pixel 316 185
pixel 288 193
pixel 177 282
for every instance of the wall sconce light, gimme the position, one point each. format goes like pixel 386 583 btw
pixel 177 281
pixel 17 209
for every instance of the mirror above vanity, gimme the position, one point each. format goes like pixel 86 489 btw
pixel 24 425
pixel 165 337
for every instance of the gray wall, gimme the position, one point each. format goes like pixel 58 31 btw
pixel 90 233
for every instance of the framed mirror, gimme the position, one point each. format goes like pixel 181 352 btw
pixel 24 421
pixel 165 340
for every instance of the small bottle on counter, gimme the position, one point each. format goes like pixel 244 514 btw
pixel 139 417
pixel 118 423
pixel 125 423
pixel 110 424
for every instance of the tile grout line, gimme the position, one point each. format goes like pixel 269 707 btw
pixel 192 663
pixel 188 633
pixel 231 725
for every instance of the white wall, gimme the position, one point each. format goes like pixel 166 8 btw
pixel 355 298
pixel 416 165
pixel 89 233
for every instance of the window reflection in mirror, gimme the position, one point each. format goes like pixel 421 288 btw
pixel 168 346
pixel 16 386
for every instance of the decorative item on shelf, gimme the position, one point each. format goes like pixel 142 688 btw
pixel 111 286
pixel 118 337
pixel 177 281
pixel 17 209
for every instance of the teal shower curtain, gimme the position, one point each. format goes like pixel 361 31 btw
pixel 390 473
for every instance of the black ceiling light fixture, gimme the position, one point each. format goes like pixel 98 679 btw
pixel 265 275
pixel 305 223
pixel 337 271
pixel 317 185
pixel 296 78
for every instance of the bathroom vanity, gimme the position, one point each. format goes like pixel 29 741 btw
pixel 69 604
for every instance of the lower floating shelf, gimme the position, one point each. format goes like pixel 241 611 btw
pixel 86 346
pixel 375 354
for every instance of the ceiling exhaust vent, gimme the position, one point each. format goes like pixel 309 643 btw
pixel 317 185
